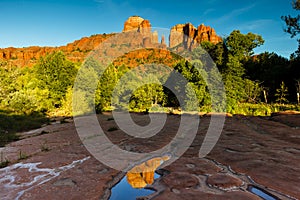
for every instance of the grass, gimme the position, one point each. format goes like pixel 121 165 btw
pixel 11 123
pixel 22 156
pixel 7 137
pixel 263 109
pixel 45 147
pixel 3 162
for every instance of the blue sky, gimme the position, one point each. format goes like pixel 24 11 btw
pixel 58 22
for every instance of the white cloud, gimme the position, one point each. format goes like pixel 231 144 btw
pixel 208 11
pixel 256 24
pixel 233 14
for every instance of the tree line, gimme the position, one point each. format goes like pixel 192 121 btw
pixel 249 79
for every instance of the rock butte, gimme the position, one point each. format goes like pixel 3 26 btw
pixel 190 35
pixel 76 51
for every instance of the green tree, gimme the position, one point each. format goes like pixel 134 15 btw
pixel 142 90
pixel 298 91
pixel 293 25
pixel 19 91
pixel 293 28
pixel 86 82
pixel 106 85
pixel 8 80
pixel 281 93
pixel 56 74
pixel 241 45
pixel 253 91
pixel 145 97
pixel 194 76
pixel 270 69
pixel 217 52
pixel 75 103
pixel 239 48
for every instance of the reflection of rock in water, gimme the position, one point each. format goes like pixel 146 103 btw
pixel 142 175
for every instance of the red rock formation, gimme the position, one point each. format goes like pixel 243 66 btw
pixel 133 23
pixel 147 42
pixel 163 42
pixel 144 56
pixel 176 35
pixel 136 23
pixel 75 51
pixel 154 37
pixel 189 35
pixel 143 26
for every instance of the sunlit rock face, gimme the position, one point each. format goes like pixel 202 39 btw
pixel 188 35
pixel 142 26
pixel 75 51
pixel 138 24
pixel 135 23
pixel 142 175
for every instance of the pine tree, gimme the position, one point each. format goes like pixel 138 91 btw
pixel 281 93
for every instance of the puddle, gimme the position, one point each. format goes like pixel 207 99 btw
pixel 137 181
pixel 261 193
pixel 123 190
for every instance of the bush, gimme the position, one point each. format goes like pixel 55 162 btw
pixel 262 109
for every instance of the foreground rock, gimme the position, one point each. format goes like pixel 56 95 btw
pixel 252 151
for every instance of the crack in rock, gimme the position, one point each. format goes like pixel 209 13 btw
pixel 38 176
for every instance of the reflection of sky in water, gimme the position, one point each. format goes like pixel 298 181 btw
pixel 261 193
pixel 124 191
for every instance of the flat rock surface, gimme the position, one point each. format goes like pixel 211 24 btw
pixel 52 162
